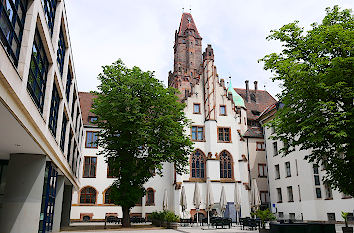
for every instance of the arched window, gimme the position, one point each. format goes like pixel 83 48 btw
pixel 198 164
pixel 88 195
pixel 107 197
pixel 150 197
pixel 226 165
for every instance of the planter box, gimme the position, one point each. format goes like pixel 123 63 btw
pixel 347 229
pixel 172 225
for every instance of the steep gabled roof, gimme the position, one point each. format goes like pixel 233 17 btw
pixel 255 108
pixel 86 101
pixel 187 22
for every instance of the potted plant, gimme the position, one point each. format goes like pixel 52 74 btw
pixel 346 229
pixel 171 220
pixel 264 215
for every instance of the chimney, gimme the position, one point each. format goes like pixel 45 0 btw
pixel 247 90
pixel 255 85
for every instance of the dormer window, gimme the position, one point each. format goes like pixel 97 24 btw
pixel 93 119
pixel 253 97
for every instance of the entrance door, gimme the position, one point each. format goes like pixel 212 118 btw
pixel 48 199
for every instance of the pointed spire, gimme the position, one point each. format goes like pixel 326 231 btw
pixel 187 22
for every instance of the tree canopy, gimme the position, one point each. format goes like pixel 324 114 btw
pixel 317 73
pixel 142 126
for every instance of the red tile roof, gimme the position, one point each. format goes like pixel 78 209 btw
pixel 187 22
pixel 86 100
pixel 255 108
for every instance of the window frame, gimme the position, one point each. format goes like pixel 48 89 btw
pixel 61 51
pixel 230 162
pixel 54 110
pixel 223 133
pixel 290 193
pixel 262 146
pixel 279 195
pixel 105 192
pixel 266 195
pixel 64 124
pixel 197 104
pixel 262 166
pixel 90 164
pixel 95 195
pixel 49 13
pixel 225 113
pixel 275 148
pixel 92 142
pixel 147 199
pixel 197 133
pixel 203 159
pixel 37 74
pixel 12 23
pixel 277 171
pixel 287 169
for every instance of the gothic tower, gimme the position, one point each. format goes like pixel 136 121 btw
pixel 187 56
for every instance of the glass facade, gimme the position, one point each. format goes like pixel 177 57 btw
pixel 12 20
pixel 61 51
pixel 48 199
pixel 37 77
pixel 54 108
pixel 49 7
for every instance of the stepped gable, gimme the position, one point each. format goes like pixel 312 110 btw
pixel 86 101
pixel 257 101
pixel 187 22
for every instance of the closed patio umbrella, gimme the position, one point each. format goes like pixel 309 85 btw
pixel 209 201
pixel 255 196
pixel 223 201
pixel 237 201
pixel 183 200
pixel 196 199
pixel 164 203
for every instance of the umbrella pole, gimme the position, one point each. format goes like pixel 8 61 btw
pixel 208 220
pixel 197 218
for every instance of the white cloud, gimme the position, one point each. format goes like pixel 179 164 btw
pixel 141 33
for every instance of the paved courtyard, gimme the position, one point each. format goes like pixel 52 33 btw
pixel 138 228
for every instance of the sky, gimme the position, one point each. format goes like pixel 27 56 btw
pixel 141 33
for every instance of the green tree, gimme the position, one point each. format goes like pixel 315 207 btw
pixel 317 73
pixel 142 127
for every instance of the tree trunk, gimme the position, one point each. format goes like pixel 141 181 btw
pixel 126 217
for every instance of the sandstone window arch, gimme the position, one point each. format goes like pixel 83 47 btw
pixel 197 165
pixel 226 165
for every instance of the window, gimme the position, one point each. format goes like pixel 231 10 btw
pixel 69 147
pixel 107 197
pixel 299 192
pixel 226 165
pixel 150 197
pixel 49 10
pixel 277 172
pixel 317 180
pixel 262 170
pixel 297 171
pixel 275 148
pixel 292 216
pixel 315 169
pixel 68 84
pixel 280 197
pixel 197 133
pixel 54 108
pixel 318 193
pixel 331 216
pixel 328 191
pixel 264 197
pixel 88 195
pixel 287 169
pixel 196 108
pixel 110 171
pixel 92 119
pixel 198 164
pixel 90 167
pixel 224 135
pixel 12 20
pixel 91 139
pixel 222 110
pixel 73 104
pixel 37 77
pixel 290 194
pixel 63 131
pixel 61 51
pixel 281 215
pixel 260 146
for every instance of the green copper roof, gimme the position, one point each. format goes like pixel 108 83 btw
pixel 238 100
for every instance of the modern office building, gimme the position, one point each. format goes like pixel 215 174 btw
pixel 295 185
pixel 41 123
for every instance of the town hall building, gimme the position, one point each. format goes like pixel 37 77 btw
pixel 228 141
